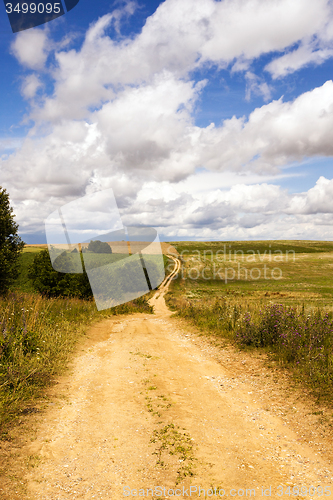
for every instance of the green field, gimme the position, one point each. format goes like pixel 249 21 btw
pixel 291 272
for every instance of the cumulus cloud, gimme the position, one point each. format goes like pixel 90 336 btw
pixel 31 48
pixel 30 86
pixel 259 211
pixel 151 127
pixel 232 32
pixel 274 135
pixel 248 29
pixel 293 61
pixel 317 200
pixel 149 132
pixel 314 48
pixel 126 11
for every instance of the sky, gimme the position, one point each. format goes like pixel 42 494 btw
pixel 210 120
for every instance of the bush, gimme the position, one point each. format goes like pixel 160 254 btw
pixel 11 244
pixel 52 283
pixel 99 247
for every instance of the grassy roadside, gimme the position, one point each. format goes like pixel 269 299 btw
pixel 290 318
pixel 37 338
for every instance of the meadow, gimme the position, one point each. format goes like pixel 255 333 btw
pixel 271 295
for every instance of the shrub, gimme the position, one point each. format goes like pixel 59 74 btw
pixel 99 247
pixel 52 283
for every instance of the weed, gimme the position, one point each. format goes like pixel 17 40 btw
pixel 34 460
pixel 148 356
pixel 171 440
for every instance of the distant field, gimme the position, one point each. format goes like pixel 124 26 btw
pixel 299 246
pixel 290 272
pixel 26 258
pixel 303 271
pixel 117 247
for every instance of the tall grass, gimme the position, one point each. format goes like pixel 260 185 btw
pixel 299 338
pixel 37 336
pixel 303 340
pixel 219 316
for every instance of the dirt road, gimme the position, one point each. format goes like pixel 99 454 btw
pixel 150 403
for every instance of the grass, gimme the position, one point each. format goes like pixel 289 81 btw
pixel 299 277
pixel 242 306
pixel 246 269
pixel 299 246
pixel 172 440
pixel 169 439
pixel 26 258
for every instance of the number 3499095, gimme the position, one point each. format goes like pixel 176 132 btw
pixel 33 8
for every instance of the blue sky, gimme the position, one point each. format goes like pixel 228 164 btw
pixel 209 120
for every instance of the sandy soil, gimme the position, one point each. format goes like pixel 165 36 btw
pixel 151 403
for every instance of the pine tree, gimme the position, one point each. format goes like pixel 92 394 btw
pixel 11 244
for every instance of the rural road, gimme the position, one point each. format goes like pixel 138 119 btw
pixel 149 403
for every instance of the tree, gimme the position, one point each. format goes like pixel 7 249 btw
pixel 11 244
pixel 52 283
pixel 98 246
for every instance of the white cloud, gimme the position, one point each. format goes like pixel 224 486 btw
pixel 179 37
pixel 260 211
pixel 317 200
pixel 274 135
pixel 30 86
pixel 31 47
pixel 242 28
pixel 126 11
pixel 150 128
pixel 148 132
pixel 10 143
pixel 256 86
pixel 313 49
pixel 293 61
